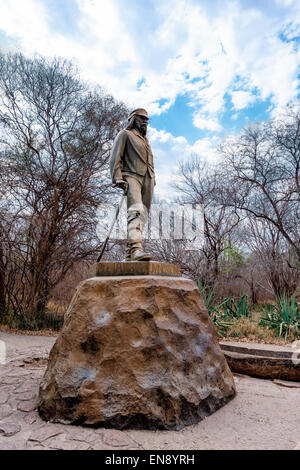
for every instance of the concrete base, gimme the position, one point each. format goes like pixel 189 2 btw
pixel 263 360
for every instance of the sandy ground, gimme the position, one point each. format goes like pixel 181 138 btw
pixel 263 415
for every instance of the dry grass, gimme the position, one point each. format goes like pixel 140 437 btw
pixel 247 330
pixel 45 332
pixel 56 308
pixel 256 315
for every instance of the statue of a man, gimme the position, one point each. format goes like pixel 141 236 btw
pixel 131 166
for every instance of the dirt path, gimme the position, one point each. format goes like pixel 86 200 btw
pixel 264 415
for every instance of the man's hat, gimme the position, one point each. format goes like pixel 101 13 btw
pixel 139 112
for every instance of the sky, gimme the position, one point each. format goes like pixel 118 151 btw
pixel 202 68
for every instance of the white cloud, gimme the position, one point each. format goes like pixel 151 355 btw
pixel 285 2
pixel 28 18
pixel 241 99
pixel 207 51
pixel 168 151
pixel 204 122
pixel 185 47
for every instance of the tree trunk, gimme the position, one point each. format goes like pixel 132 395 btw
pixel 2 283
pixel 216 265
pixel 253 293
pixel 2 293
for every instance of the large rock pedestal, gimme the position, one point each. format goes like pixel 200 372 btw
pixel 135 352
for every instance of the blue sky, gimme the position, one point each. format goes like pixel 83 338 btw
pixel 202 68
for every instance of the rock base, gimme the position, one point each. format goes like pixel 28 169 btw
pixel 135 352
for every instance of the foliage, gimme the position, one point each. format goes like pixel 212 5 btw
pixel 236 308
pixel 284 317
pixel 233 317
pixel 232 258
pixel 208 295
pixel 229 308
pixel 225 314
pixel 25 321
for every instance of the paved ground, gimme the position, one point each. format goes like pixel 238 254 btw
pixel 264 414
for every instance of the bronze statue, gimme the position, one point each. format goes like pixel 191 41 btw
pixel 131 166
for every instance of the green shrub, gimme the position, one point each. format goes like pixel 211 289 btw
pixel 225 313
pixel 284 317
pixel 236 308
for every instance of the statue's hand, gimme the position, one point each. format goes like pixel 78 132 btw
pixel 121 184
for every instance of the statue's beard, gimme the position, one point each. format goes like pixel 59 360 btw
pixel 143 131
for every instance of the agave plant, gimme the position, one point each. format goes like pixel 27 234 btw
pixel 284 316
pixel 236 308
pixel 209 296
pixel 227 312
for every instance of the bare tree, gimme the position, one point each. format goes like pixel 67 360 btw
pixel 55 138
pixel 275 256
pixel 2 273
pixel 175 252
pixel 262 169
pixel 200 183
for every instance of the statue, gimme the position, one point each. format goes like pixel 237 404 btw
pixel 131 166
pixel 138 349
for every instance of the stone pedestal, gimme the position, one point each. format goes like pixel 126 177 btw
pixel 135 352
pixel 134 268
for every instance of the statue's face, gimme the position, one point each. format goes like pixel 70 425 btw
pixel 141 123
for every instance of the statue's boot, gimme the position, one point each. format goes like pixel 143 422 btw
pixel 128 253
pixel 139 255
pixel 134 250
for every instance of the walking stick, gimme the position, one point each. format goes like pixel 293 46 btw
pixel 112 226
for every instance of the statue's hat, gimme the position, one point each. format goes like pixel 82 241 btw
pixel 139 112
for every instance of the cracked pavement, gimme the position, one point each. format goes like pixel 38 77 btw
pixel 265 414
